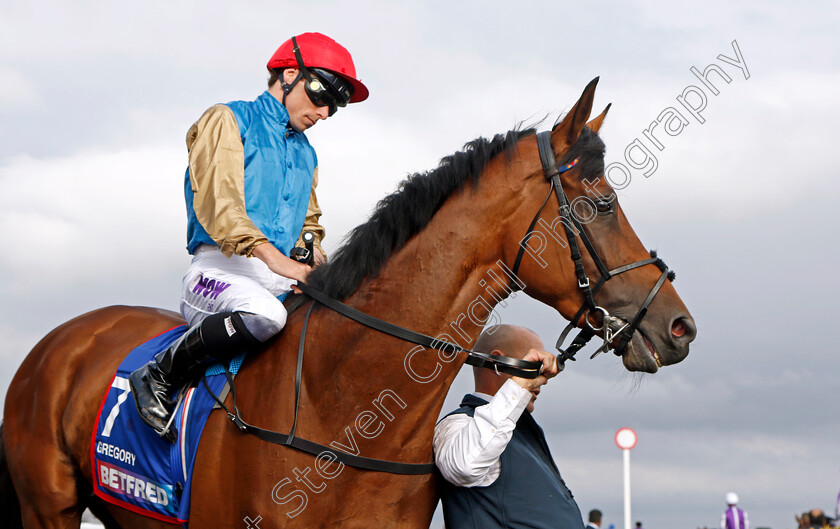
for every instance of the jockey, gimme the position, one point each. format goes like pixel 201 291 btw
pixel 250 192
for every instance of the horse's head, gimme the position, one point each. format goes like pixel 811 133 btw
pixel 594 223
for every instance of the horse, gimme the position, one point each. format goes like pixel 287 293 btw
pixel 436 256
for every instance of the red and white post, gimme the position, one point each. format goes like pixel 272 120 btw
pixel 626 439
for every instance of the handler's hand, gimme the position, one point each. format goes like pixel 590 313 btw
pixel 550 370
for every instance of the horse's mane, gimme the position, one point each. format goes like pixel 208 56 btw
pixel 408 210
pixel 404 213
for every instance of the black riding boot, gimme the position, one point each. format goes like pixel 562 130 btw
pixel 218 337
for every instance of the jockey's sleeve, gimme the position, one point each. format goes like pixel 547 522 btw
pixel 217 177
pixel 313 214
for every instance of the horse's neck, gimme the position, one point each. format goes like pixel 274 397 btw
pixel 438 283
pixel 435 285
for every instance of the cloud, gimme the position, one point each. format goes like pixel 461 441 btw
pixel 93 214
pixel 720 169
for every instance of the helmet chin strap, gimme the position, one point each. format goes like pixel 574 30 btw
pixel 288 87
pixel 301 71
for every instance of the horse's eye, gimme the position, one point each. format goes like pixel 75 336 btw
pixel 603 207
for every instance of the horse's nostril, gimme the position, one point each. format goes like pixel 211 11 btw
pixel 683 329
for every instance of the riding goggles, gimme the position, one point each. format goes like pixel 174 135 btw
pixel 325 89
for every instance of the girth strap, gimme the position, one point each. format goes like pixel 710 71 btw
pixel 365 463
pixel 305 445
pixel 317 449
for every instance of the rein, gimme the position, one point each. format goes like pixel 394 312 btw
pixel 501 364
pixel 573 228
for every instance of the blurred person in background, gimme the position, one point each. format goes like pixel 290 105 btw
pixel 733 517
pixel 594 519
pixel 837 511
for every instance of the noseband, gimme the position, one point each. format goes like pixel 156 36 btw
pixel 589 307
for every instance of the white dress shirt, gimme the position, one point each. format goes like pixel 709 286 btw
pixel 467 449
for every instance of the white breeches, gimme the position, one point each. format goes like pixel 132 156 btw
pixel 215 283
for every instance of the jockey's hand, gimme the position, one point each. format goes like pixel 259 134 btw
pixel 549 370
pixel 294 270
pixel 280 264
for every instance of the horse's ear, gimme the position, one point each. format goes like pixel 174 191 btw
pixel 566 133
pixel 595 124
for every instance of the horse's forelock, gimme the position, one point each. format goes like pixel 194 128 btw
pixel 590 149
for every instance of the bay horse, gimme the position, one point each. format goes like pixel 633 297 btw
pixel 436 257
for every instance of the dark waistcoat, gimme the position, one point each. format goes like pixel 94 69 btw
pixel 529 492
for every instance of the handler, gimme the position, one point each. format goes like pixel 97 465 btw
pixel 250 191
pixel 493 456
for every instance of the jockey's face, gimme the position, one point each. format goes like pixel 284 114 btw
pixel 302 111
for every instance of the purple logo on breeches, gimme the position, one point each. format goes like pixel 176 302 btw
pixel 209 287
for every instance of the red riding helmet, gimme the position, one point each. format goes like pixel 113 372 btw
pixel 320 51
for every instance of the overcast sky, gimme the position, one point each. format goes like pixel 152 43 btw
pixel 96 98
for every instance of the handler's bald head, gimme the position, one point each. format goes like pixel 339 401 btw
pixel 508 340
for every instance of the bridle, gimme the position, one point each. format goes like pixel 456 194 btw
pixel 574 228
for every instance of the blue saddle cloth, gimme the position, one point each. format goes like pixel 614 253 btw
pixel 134 467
